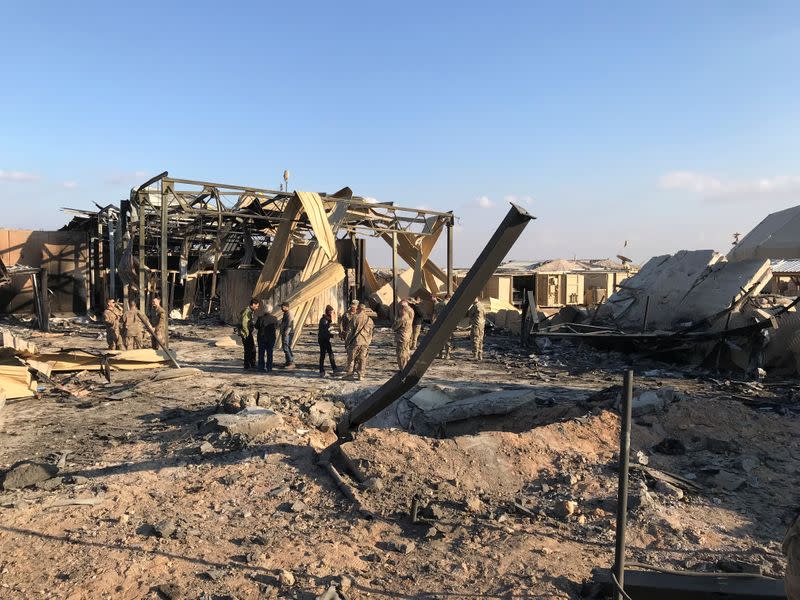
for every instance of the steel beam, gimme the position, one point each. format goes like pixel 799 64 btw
pixel 165 190
pixel 490 258
pixel 450 257
pixel 622 485
pixel 701 586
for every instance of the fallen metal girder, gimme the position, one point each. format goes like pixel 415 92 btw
pixel 490 258
pixel 701 586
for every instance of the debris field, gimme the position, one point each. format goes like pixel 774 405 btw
pixel 209 484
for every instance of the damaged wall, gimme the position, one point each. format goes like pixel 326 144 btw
pixel 65 254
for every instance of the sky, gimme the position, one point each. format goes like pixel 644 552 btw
pixel 638 128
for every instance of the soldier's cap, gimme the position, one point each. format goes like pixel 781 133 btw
pixel 354 303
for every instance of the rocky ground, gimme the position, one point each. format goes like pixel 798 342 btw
pixel 140 498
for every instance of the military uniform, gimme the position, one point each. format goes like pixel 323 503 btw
pixel 112 317
pixel 287 337
pixel 158 320
pixel 359 337
pixel 417 325
pixel 246 328
pixel 791 548
pixel 402 327
pixel 438 309
pixel 477 320
pixel 344 321
pixel 132 320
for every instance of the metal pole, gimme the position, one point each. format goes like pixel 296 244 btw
pixel 112 262
pixel 45 301
pixel 163 261
pixel 394 274
pixel 450 256
pixel 622 486
pixel 141 254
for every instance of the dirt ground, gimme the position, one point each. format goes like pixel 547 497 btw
pixel 518 506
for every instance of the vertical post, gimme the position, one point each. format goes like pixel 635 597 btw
pixel 45 301
pixel 362 264
pixel 112 262
pixel 394 274
pixel 450 256
pixel 646 312
pixel 622 486
pixel 162 263
pixel 141 252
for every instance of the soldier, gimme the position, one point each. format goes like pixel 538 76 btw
pixel 132 320
pixel 111 317
pixel 344 322
pixel 438 309
pixel 267 326
pixel 287 335
pixel 158 319
pixel 477 320
pixel 416 305
pixel 324 336
pixel 359 337
pixel 402 327
pixel 246 329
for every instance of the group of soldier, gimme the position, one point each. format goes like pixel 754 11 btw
pixel 260 330
pixel 407 328
pixel 129 329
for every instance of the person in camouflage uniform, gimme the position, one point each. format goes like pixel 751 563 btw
pixel 132 321
pixel 344 322
pixel 158 319
pixel 359 337
pixel 477 320
pixel 403 327
pixel 112 316
pixel 416 306
pixel 438 309
pixel 247 325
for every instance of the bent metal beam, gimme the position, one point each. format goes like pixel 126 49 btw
pixel 493 254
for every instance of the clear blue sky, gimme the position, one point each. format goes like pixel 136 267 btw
pixel 670 124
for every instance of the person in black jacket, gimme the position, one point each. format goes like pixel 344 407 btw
pixel 324 336
pixel 266 325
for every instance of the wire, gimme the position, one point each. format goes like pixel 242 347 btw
pixel 619 587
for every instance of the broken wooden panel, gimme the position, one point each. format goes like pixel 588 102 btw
pixel 318 259
pixel 314 209
pixel 124 360
pixel 16 382
pixel 20 345
pixel 425 245
pixel 369 278
pixel 279 251
pixel 330 275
